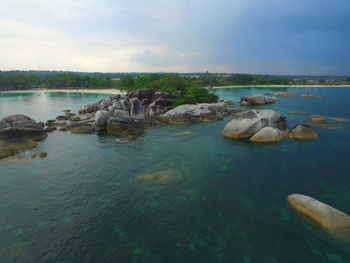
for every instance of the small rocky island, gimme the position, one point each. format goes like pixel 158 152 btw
pixel 129 115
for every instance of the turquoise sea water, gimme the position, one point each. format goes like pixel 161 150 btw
pixel 212 199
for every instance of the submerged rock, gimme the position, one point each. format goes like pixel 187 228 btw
pixel 42 154
pixel 250 122
pixel 82 129
pixel 268 134
pixel 188 113
pixel 304 132
pixel 333 221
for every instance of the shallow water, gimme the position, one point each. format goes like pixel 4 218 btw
pixel 212 200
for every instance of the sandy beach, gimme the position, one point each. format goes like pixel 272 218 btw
pixel 283 86
pixel 98 91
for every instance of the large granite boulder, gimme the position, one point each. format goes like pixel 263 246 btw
pixel 304 132
pixel 19 132
pixel 123 126
pixel 101 117
pixel 194 113
pixel 268 134
pixel 257 99
pixel 331 220
pixel 250 122
pixel 142 94
pixel 137 110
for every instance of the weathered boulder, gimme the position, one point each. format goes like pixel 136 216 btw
pixel 268 134
pixel 303 132
pixel 123 126
pixel 194 113
pixel 101 117
pixel 42 154
pixel 142 94
pixel 93 107
pixel 328 218
pixel 137 110
pixel 250 122
pixel 257 99
pixel 19 132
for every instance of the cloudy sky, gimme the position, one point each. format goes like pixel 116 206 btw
pixel 247 36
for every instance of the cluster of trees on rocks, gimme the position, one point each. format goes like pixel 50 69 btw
pixel 184 89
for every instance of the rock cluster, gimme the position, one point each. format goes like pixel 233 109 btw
pixel 257 99
pixel 265 126
pixel 19 132
pixel 195 113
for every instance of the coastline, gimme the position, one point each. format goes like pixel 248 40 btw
pixel 96 91
pixel 282 86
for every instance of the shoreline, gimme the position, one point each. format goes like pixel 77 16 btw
pixel 282 86
pixel 96 91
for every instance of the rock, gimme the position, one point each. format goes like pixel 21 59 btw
pixel 62 118
pixel 33 156
pixel 66 111
pixel 162 177
pixel 93 107
pixel 268 134
pixel 294 112
pixel 250 122
pixel 121 114
pixel 105 104
pixel 137 110
pixel 281 94
pixel 122 126
pixel 338 119
pixel 42 154
pixel 154 111
pixel 188 113
pixel 126 139
pixel 184 133
pixel 82 129
pixel 304 132
pixel 101 117
pixel 257 99
pixel 115 97
pixel 309 96
pixel 141 94
pixel 21 127
pixel 50 129
pixel 328 218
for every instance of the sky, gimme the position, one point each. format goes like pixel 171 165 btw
pixel 307 37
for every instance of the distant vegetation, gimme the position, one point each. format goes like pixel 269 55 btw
pixel 186 85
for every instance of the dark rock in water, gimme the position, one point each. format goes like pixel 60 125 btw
pixel 19 132
pixel 257 99
pixel 126 139
pixel 62 118
pixel 82 129
pixel 42 154
pixel 194 113
pixel 66 111
pixel 304 132
pixel 250 122
pixel 121 126
pixel 50 128
pixel 33 156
